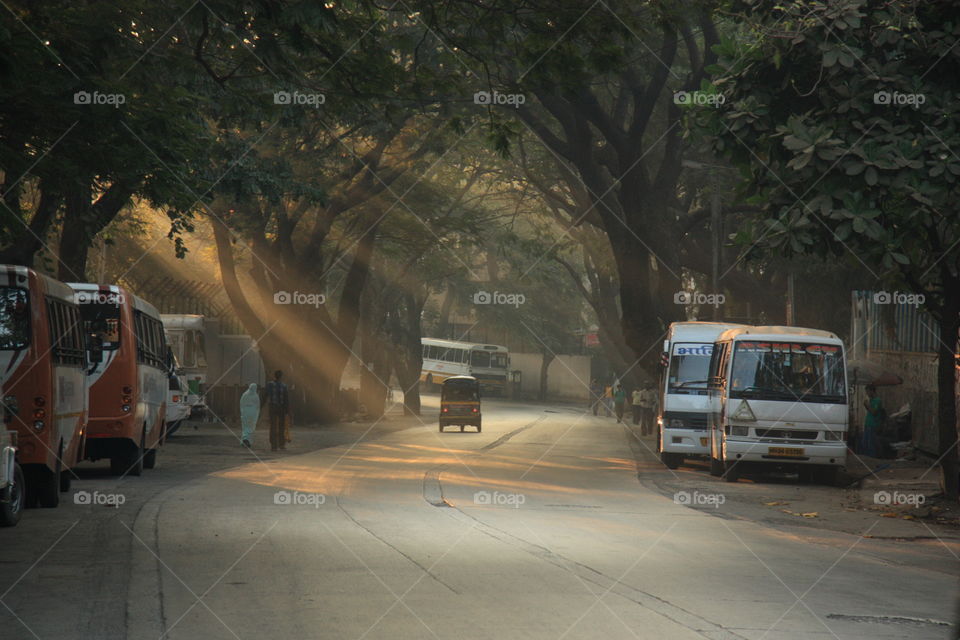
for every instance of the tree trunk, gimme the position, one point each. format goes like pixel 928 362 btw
pixel 946 394
pixel 545 361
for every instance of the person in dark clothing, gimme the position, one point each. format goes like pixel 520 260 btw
pixel 278 402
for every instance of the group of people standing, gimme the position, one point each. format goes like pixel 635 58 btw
pixel 612 400
pixel 277 398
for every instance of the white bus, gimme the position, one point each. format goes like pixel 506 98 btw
pixel 778 400
pixel 186 337
pixel 684 403
pixel 488 363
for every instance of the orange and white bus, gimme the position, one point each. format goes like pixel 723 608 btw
pixel 127 377
pixel 42 373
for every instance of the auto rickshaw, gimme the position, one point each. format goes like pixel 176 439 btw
pixel 460 402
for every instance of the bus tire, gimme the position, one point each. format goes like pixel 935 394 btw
pixel 48 487
pixel 716 467
pixel 441 428
pixel 65 481
pixel 478 428
pixel 150 459
pixel 461 428
pixel 826 475
pixel 732 473
pixel 12 509
pixel 670 460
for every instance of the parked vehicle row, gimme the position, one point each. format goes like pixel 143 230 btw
pixel 85 376
pixel 754 398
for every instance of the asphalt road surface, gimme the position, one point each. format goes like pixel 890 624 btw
pixel 548 524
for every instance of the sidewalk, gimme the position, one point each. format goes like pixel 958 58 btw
pixel 901 488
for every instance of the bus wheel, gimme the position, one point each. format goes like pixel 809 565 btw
pixel 716 467
pixel 150 456
pixel 48 487
pixel 478 428
pixel 461 428
pixel 670 460
pixel 733 472
pixel 441 428
pixel 826 475
pixel 11 510
pixel 128 463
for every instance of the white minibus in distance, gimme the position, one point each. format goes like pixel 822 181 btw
pixel 682 416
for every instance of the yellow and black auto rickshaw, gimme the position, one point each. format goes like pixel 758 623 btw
pixel 460 402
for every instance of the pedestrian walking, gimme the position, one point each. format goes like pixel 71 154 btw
pixel 872 422
pixel 596 395
pixel 608 400
pixel 648 404
pixel 619 400
pixel 249 413
pixel 278 403
pixel 635 402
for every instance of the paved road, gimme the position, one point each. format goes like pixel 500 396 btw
pixel 536 528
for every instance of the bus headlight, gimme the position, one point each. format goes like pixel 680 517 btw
pixel 738 431
pixel 125 408
pixel 836 436
pixel 38 424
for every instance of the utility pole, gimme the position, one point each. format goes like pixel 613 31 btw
pixel 716 236
pixel 791 320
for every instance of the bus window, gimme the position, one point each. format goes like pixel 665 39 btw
pixel 14 318
pixel 498 360
pixel 101 322
pixel 480 358
pixel 201 349
pixel 189 350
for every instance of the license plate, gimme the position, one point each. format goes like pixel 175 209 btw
pixel 703 442
pixel 785 451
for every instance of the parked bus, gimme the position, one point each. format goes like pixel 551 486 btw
pixel 778 401
pixel 127 378
pixel 186 335
pixel 178 409
pixel 42 363
pixel 488 363
pixel 684 403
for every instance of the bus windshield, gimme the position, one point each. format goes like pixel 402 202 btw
pixel 804 372
pixel 488 359
pixel 689 367
pixel 14 319
pixel 101 324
